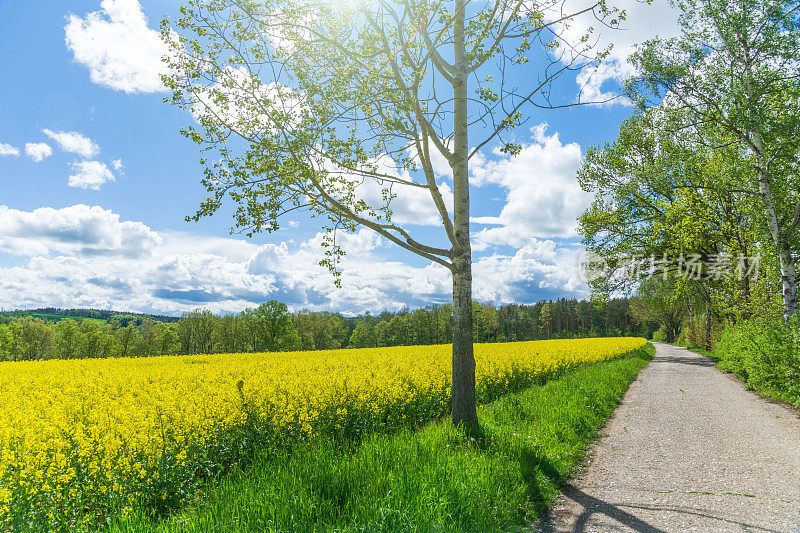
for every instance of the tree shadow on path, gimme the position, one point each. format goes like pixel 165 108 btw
pixel 591 506
pixel 693 360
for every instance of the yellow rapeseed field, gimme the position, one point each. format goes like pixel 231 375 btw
pixel 83 439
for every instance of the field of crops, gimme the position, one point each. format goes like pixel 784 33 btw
pixel 83 440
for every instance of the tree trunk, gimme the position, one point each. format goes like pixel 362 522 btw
pixel 464 408
pixel 788 277
pixel 788 281
pixel 780 240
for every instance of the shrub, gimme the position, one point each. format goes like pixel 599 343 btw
pixel 702 331
pixel 766 354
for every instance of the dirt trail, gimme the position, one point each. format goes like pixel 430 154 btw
pixel 689 449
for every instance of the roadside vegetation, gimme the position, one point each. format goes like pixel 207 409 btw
pixel 433 479
pixel 706 172
pixel 765 353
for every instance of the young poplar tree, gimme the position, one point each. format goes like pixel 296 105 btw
pixel 339 106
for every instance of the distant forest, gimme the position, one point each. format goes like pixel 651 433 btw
pixel 56 313
pixel 51 333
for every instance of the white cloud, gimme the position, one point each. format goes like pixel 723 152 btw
pixel 118 47
pixel 89 175
pixel 72 141
pixel 360 243
pixel 543 200
pixel 117 164
pixel 594 82
pixel 83 256
pixel 643 21
pixel 7 149
pixel 79 229
pixel 369 282
pixel 410 205
pixel 38 151
pixel 538 270
pixel 73 264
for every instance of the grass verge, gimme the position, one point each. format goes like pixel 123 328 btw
pixel 433 479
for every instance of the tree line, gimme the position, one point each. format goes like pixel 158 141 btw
pixel 96 314
pixel 705 172
pixel 271 327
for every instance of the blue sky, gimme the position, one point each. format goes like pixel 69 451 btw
pixel 95 182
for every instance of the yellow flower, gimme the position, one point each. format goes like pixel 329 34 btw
pixel 72 426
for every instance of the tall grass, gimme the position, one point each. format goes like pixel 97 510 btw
pixel 433 479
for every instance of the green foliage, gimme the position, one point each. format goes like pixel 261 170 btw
pixel 54 314
pixel 659 301
pixel 660 335
pixel 320 330
pixel 435 479
pixel 684 200
pixel 766 354
pixel 707 165
pixel 9 344
pixel 271 327
pixel 730 82
pixel 484 321
pixel 30 338
pixel 703 331
pixel 36 340
pixel 273 323
pixel 363 335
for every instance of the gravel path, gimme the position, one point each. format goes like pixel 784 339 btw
pixel 689 449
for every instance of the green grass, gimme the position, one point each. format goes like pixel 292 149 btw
pixel 433 479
